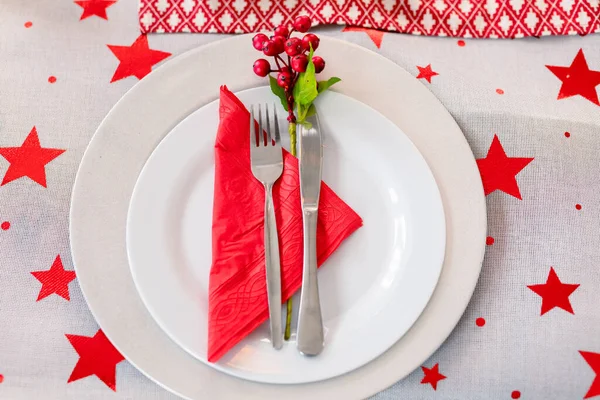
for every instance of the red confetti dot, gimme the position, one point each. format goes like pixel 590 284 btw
pixel 499 91
pixel 1 378
pixel 578 206
pixel 480 322
pixel 5 225
pixel 515 394
pixel 489 240
pixel 28 24
pixel 52 79
pixel 567 134
pixel 461 43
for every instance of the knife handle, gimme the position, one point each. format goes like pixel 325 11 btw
pixel 310 338
pixel 273 270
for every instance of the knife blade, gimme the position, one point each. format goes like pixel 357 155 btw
pixel 310 337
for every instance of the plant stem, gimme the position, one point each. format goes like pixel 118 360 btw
pixel 288 320
pixel 288 317
pixel 292 131
pixel 291 117
pixel 278 58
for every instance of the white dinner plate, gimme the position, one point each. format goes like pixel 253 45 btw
pixel 153 107
pixel 372 289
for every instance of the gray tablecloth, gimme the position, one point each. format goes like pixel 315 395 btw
pixel 55 75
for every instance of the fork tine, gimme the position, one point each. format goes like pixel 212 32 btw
pixel 276 127
pixel 268 142
pixel 261 133
pixel 252 128
pixel 269 135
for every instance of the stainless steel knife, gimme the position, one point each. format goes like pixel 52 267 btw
pixel 310 338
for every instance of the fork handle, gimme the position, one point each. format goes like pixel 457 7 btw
pixel 310 338
pixel 273 269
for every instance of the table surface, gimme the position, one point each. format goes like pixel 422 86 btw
pixel 528 108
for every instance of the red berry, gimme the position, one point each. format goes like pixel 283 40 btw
pixel 302 23
pixel 319 64
pixel 270 48
pixel 310 39
pixel 279 43
pixel 293 46
pixel 258 41
pixel 282 30
pixel 299 63
pixel 261 67
pixel 284 79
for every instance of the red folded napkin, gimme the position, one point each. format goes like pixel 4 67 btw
pixel 237 301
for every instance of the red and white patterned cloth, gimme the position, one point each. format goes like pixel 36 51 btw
pixel 455 18
pixel 528 108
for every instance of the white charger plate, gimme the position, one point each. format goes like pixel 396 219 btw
pixel 372 289
pixel 143 117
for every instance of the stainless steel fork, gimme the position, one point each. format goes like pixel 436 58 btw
pixel 267 166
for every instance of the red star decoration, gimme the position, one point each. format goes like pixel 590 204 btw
pixel 137 59
pixel 432 376
pixel 498 171
pixel 554 293
pixel 28 160
pixel 375 35
pixel 577 79
pixel 95 7
pixel 97 356
pixel 426 73
pixel 593 359
pixel 54 281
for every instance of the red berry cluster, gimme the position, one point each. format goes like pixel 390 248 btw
pixel 296 50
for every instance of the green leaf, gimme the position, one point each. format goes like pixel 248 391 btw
pixel 307 125
pixel 278 91
pixel 324 85
pixel 301 111
pixel 305 90
pixel 305 112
